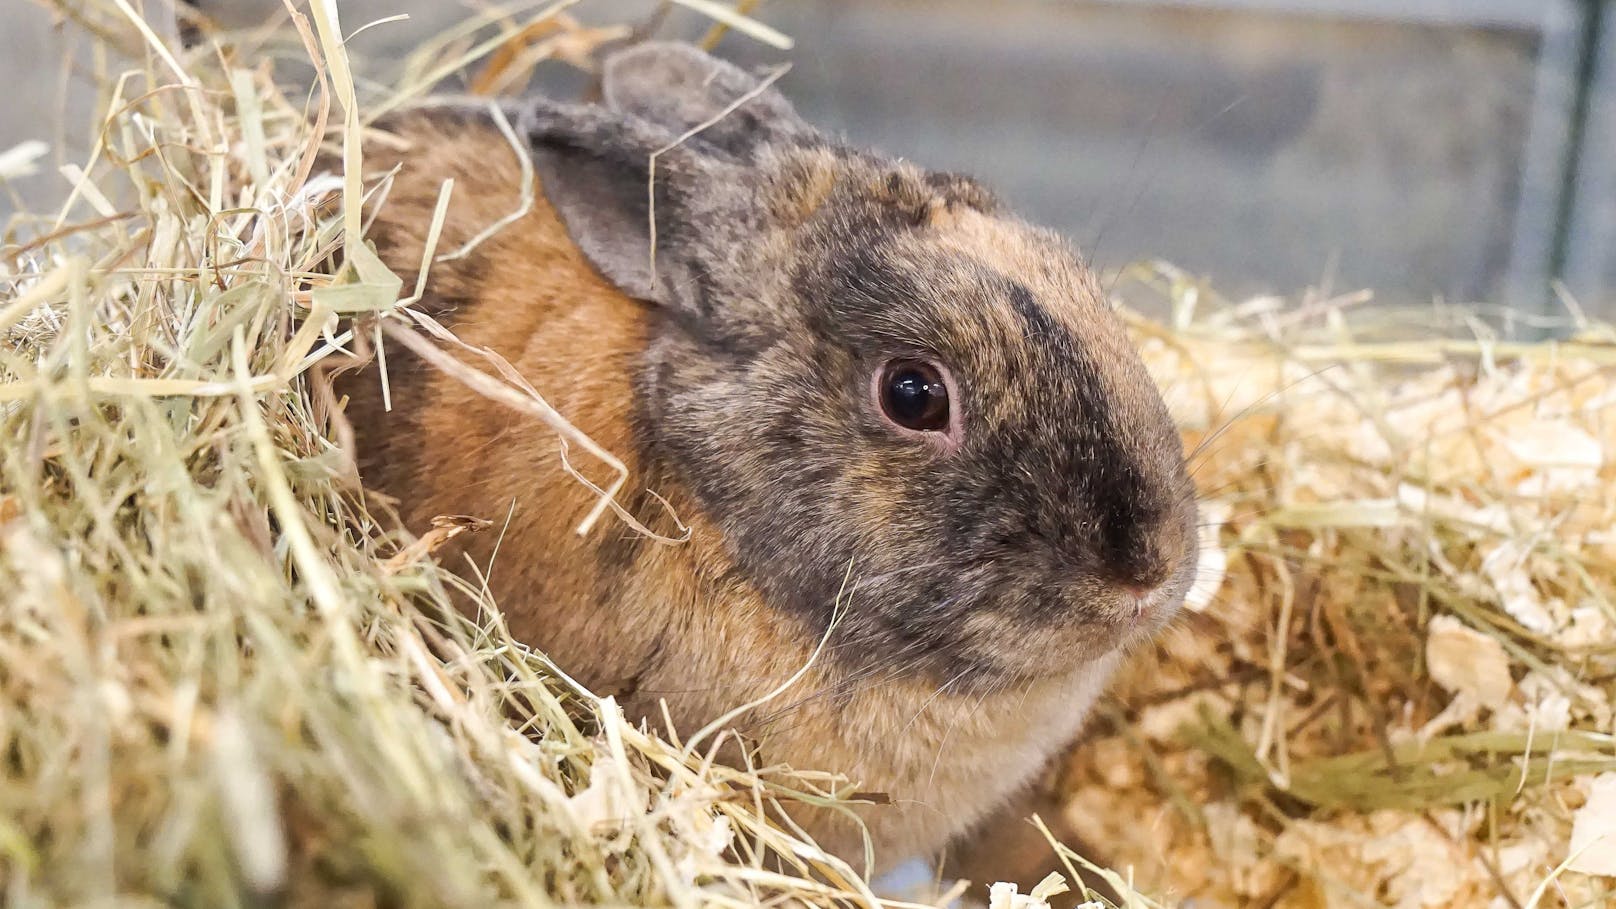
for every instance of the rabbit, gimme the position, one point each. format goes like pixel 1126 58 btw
pixel 918 462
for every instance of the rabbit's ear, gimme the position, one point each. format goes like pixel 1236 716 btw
pixel 599 169
pixel 680 88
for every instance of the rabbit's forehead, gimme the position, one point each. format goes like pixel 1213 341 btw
pixel 1033 280
pixel 1004 295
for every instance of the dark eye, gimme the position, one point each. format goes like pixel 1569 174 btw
pixel 914 395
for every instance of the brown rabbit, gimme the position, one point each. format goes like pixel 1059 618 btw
pixel 893 416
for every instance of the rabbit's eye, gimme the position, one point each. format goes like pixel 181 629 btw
pixel 914 395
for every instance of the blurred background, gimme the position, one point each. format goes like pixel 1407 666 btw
pixel 1430 150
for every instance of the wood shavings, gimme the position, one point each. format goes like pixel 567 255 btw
pixel 1593 832
pixel 1004 895
pixel 604 807
pixel 1400 692
pixel 1212 562
pixel 1467 662
pixel 1412 865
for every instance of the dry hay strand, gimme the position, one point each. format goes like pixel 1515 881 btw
pixel 1393 685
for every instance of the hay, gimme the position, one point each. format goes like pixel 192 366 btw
pixel 222 677
pixel 1401 694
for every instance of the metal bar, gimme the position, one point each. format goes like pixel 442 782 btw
pixel 1522 14
pixel 1547 157
pixel 1590 260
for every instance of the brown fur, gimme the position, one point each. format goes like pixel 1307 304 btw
pixel 695 624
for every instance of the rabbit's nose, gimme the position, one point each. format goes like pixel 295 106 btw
pixel 1142 552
